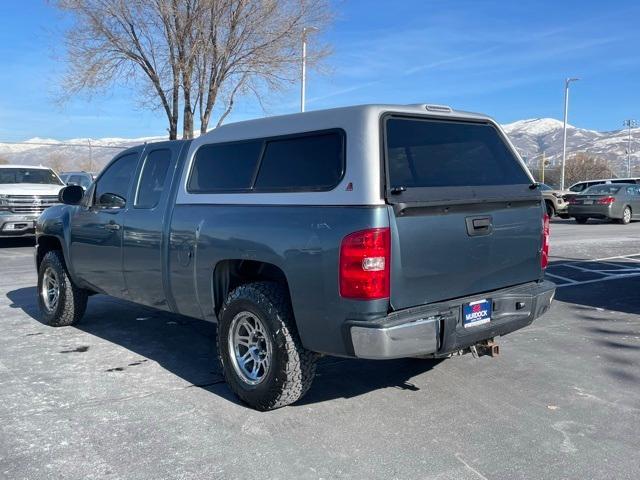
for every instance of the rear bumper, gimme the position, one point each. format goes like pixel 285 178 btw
pixel 17 225
pixel 594 211
pixel 437 328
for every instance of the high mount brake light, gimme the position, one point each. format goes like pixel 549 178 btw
pixel 365 258
pixel 544 253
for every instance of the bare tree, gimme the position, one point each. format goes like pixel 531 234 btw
pixel 251 46
pixel 581 166
pixel 210 51
pixel 57 161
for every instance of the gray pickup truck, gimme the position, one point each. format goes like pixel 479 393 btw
pixel 377 231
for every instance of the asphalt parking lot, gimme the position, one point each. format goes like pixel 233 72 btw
pixel 131 393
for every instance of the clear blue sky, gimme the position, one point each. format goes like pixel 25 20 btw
pixel 504 58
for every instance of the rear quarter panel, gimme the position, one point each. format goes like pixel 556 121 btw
pixel 303 241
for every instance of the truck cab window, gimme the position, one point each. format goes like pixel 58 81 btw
pixel 116 179
pixel 152 178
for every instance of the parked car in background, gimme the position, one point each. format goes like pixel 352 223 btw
pixel 84 179
pixel 554 201
pixel 373 231
pixel 579 187
pixel 25 192
pixel 613 201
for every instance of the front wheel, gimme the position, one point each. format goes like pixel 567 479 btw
pixel 551 211
pixel 261 354
pixel 626 216
pixel 61 302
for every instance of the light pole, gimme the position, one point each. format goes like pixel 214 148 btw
pixel 304 65
pixel 629 124
pixel 564 130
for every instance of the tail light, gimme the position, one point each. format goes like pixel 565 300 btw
pixel 605 201
pixel 544 253
pixel 365 258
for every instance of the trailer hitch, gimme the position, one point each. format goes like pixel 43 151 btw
pixel 486 347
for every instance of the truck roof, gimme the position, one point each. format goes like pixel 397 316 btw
pixel 311 120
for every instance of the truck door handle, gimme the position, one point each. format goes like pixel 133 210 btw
pixel 112 226
pixel 479 225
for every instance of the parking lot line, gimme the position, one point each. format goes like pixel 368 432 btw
pixel 565 279
pixel 619 272
pixel 605 279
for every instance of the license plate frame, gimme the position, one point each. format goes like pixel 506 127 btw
pixel 477 313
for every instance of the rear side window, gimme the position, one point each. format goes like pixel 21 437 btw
pixel 224 167
pixel 431 153
pixel 306 162
pixel 310 162
pixel 152 178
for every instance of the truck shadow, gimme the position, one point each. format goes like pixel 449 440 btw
pixel 187 348
pixel 17 242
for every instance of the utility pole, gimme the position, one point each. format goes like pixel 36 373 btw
pixel 564 130
pixel 303 83
pixel 544 164
pixel 629 124
pixel 90 156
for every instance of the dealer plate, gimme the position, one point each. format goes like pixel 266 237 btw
pixel 476 313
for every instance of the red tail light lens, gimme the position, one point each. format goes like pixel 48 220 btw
pixel 365 258
pixel 606 201
pixel 544 254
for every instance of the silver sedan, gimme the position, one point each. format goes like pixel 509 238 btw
pixel 619 201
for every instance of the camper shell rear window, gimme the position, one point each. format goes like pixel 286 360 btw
pixel 424 152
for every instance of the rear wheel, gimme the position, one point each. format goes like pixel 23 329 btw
pixel 582 220
pixel 262 356
pixel 626 216
pixel 61 302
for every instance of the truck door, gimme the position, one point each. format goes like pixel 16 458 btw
pixel 96 227
pixel 144 225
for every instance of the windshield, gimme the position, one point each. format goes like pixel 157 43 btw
pixel 83 180
pixel 29 175
pixel 602 190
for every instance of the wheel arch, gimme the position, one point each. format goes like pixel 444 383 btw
pixel 46 244
pixel 231 273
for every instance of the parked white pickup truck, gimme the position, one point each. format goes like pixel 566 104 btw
pixel 25 192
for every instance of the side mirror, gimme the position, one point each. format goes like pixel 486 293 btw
pixel 110 200
pixel 71 195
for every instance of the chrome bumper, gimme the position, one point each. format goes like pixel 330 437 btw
pixel 437 328
pixel 17 225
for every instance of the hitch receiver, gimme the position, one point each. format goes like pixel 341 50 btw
pixel 488 347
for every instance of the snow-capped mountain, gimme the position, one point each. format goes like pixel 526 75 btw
pixel 66 155
pixel 532 137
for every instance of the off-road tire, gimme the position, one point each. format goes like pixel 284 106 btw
pixel 292 366
pixel 626 217
pixel 72 300
pixel 582 220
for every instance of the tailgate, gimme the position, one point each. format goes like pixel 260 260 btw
pixel 463 217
